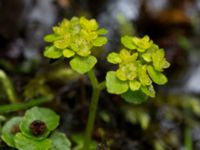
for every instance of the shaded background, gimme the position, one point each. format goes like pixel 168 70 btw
pixel 170 121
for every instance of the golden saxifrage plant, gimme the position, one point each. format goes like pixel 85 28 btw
pixel 35 131
pixel 140 63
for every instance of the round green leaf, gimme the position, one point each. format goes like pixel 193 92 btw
pixel 52 37
pixel 159 61
pixel 143 76
pixel 60 141
pixel 24 143
pixel 52 52
pixel 83 64
pixel 157 77
pixel 126 56
pixel 165 64
pixel 89 36
pixel 142 44
pixel 9 130
pixel 141 49
pixel 93 25
pixel 84 52
pixel 58 30
pixel 134 85
pixel 68 53
pixel 50 118
pixel 135 97
pixel 114 58
pixel 102 31
pixel 127 41
pixel 148 90
pixel 157 58
pixel 114 85
pixel 61 44
pixel 146 57
pixel 99 41
pixel 88 24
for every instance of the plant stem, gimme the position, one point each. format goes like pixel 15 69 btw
pixel 188 138
pixel 96 87
pixel 102 85
pixel 93 79
pixel 25 105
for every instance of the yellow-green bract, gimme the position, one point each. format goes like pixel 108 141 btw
pixel 140 64
pixel 75 39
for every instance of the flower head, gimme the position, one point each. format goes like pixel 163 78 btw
pixel 139 65
pixel 74 37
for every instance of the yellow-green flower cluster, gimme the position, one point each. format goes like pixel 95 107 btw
pixel 74 37
pixel 140 64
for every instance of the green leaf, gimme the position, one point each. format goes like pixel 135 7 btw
pixel 65 23
pixel 126 56
pixel 148 90
pixel 68 53
pixel 60 141
pixel 127 41
pixel 102 31
pixel 52 37
pixel 146 57
pixel 99 41
pixel 58 31
pixel 143 76
pixel 165 64
pixel 157 77
pixel 75 24
pixel 159 61
pixel 9 130
pixel 83 64
pixel 114 85
pixel 88 24
pixel 142 44
pixel 157 58
pixel 50 119
pixel 52 52
pixel 24 143
pixel 62 44
pixel 134 85
pixel 93 25
pixel 89 36
pixel 141 49
pixel 135 97
pixel 114 58
pixel 84 51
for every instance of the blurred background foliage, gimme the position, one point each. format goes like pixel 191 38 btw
pixel 170 121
